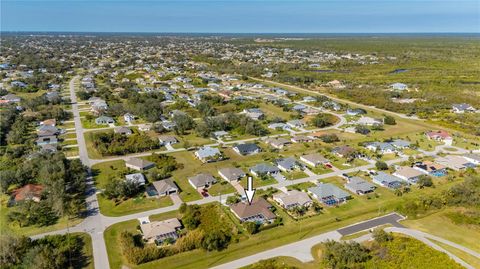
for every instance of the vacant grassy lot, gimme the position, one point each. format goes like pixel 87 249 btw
pixel 130 206
pixel 440 225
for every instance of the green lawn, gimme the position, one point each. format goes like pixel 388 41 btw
pixel 106 171
pixel 301 186
pixel 132 205
pixel 221 187
pixel 440 225
pixel 68 135
pixel 90 124
pixel 296 174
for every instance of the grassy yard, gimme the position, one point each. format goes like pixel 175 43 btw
pixel 68 135
pixel 440 225
pixel 132 205
pixel 90 124
pixel 106 171
pixel 296 174
pixel 221 187
pixel 69 152
pixel 257 182
pixel 301 186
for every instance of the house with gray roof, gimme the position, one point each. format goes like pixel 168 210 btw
pixel 246 149
pixel 359 186
pixel 387 180
pixel 231 173
pixel 202 180
pixel 329 194
pixel 139 164
pixel 473 158
pixel 123 130
pixel 277 142
pixel 263 169
pixel 314 159
pixel 400 144
pixel 104 120
pixel 165 187
pixel 382 147
pixel 167 140
pixel 462 108
pixel 287 164
pixel 208 154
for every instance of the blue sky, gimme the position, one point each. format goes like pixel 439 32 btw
pixel 242 16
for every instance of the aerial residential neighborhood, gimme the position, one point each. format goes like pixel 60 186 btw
pixel 124 149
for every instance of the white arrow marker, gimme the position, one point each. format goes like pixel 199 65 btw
pixel 250 191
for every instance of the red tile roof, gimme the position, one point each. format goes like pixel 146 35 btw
pixel 29 191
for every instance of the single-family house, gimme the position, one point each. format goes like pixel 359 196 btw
pixel 231 173
pixel 440 135
pixel 159 231
pixel 302 139
pixel 329 194
pixel 462 108
pixel 344 151
pixel 408 174
pixel 278 126
pixel 139 164
pixel 292 199
pixel 431 168
pixel 47 130
pixel 400 144
pixel 123 130
pixel 220 134
pixel 31 192
pixel 137 178
pixel 287 164
pixel 129 117
pixel 263 169
pixel 202 180
pixel 381 147
pixel 254 113
pixel 277 142
pixel 46 140
pixel 165 187
pixel 258 211
pixel 167 140
pixel 314 159
pixel 104 120
pixel 368 121
pixel 246 149
pixel 208 154
pixel 387 180
pixel 398 86
pixel 359 186
pixel 454 162
pixel 296 124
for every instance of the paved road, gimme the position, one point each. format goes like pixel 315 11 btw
pixel 369 224
pixel 335 98
pixel 93 223
pixel 302 250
